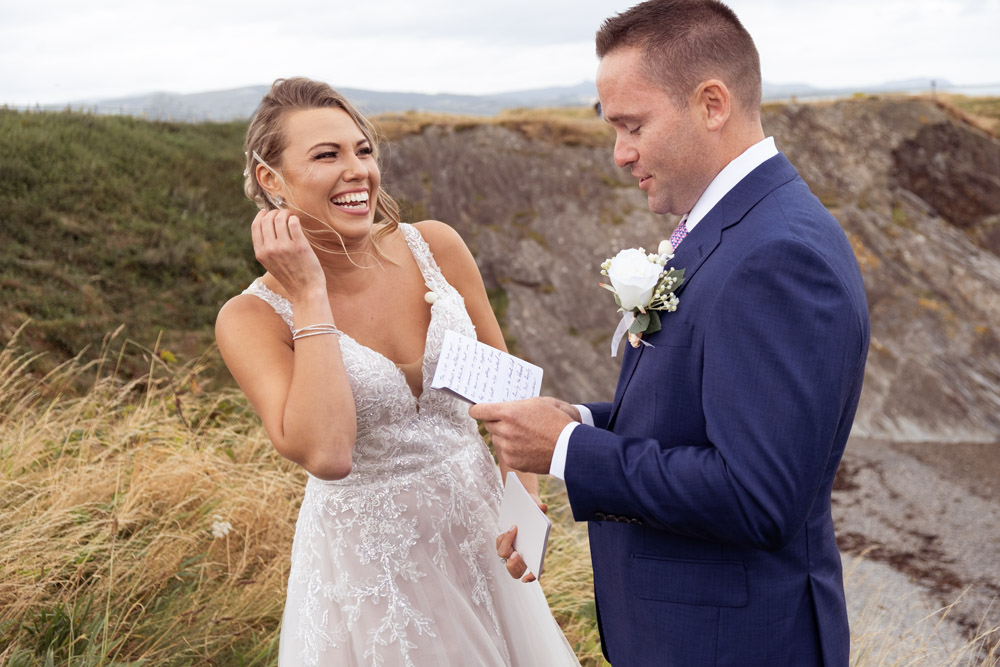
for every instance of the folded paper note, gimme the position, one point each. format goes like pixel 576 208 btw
pixel 518 508
pixel 479 373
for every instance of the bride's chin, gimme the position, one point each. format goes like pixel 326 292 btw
pixel 345 225
pixel 337 239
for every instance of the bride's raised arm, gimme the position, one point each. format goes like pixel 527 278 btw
pixel 299 389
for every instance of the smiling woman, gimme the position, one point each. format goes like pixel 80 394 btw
pixel 303 133
pixel 394 560
pixel 328 172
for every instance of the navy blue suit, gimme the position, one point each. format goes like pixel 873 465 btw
pixel 707 481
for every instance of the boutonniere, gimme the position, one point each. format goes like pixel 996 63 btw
pixel 643 287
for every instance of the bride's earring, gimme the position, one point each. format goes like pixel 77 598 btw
pixel 278 201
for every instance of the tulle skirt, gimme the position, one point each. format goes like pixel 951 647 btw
pixel 410 590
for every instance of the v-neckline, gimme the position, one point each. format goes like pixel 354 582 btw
pixel 399 371
pixel 430 322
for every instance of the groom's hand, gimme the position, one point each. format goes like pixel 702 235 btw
pixel 524 432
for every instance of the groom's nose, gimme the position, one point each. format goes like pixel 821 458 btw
pixel 625 153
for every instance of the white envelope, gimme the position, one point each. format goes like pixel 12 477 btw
pixel 518 508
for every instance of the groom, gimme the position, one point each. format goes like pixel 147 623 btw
pixel 707 480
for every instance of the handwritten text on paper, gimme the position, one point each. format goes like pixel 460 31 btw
pixel 483 374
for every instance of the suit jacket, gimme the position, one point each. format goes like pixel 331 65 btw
pixel 707 481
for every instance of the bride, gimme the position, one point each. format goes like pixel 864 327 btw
pixel 394 559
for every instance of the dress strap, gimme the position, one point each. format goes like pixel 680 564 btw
pixel 429 268
pixel 281 305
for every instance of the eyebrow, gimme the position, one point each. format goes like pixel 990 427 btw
pixel 622 118
pixel 334 144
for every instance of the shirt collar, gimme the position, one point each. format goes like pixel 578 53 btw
pixel 726 180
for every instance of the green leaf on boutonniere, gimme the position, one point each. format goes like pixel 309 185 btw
pixel 611 289
pixel 640 324
pixel 654 322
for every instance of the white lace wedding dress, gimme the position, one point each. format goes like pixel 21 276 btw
pixel 396 563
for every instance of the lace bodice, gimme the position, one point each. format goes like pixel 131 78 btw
pixel 388 414
pixel 421 501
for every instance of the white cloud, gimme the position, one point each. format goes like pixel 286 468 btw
pixel 860 42
pixel 54 51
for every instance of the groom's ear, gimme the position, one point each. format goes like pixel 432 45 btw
pixel 713 102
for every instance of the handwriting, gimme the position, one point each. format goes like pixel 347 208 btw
pixel 483 374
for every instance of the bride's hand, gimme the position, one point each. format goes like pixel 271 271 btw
pixel 515 565
pixel 538 501
pixel 282 248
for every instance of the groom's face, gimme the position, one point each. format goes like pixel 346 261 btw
pixel 656 139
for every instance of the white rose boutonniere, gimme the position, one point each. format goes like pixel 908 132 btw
pixel 634 277
pixel 643 287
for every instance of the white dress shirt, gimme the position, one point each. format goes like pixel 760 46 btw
pixel 724 181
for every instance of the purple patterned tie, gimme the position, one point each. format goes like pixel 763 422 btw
pixel 679 233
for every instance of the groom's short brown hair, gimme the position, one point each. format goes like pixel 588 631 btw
pixel 686 42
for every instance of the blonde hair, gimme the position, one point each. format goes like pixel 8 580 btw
pixel 266 142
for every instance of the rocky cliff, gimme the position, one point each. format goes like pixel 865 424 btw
pixel 916 188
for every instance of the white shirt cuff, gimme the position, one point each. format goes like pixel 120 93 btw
pixel 558 466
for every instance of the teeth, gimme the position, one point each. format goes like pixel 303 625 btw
pixel 352 198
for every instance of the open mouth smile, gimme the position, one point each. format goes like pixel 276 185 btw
pixel 352 201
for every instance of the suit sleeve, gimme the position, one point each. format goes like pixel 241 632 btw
pixel 784 348
pixel 601 412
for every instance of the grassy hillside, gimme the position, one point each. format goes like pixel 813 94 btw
pixel 982 112
pixel 112 220
pixel 115 220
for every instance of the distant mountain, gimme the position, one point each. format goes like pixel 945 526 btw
pixel 239 103
pixel 774 92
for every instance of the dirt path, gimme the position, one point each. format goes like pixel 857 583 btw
pixel 932 514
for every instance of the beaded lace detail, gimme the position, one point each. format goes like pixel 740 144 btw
pixel 420 505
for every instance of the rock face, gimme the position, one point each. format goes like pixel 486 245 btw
pixel 540 218
pixel 916 190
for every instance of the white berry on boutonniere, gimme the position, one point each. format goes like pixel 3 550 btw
pixel 643 287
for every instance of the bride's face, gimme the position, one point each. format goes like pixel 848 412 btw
pixel 329 170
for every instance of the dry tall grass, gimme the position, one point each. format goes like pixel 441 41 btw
pixel 894 627
pixel 563 127
pixel 110 497
pixel 980 112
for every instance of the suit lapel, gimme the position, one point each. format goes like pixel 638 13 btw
pixel 705 238
pixel 730 210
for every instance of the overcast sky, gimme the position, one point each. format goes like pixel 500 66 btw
pixel 54 51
